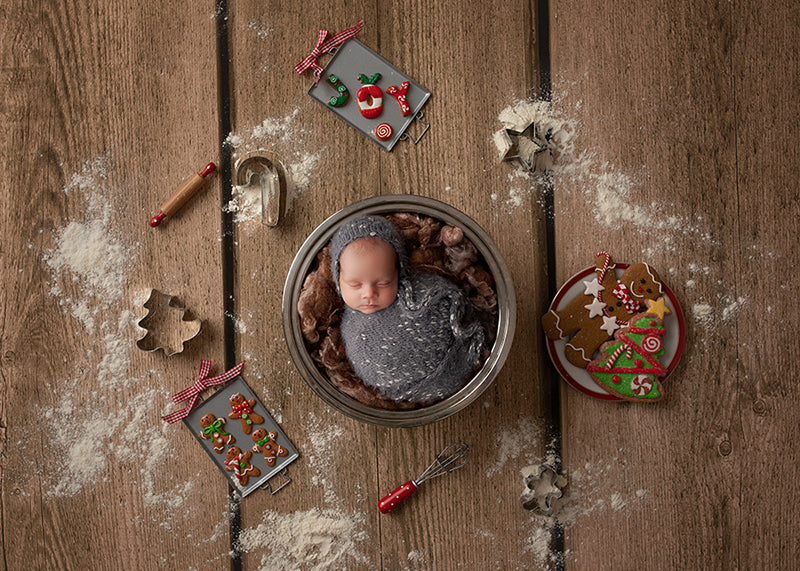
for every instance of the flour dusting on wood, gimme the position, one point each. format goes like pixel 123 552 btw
pixel 315 539
pixel 281 139
pixel 96 422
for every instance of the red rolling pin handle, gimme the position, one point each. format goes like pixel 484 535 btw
pixel 184 193
pixel 391 500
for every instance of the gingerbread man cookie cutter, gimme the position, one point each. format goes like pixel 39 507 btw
pixel 165 325
pixel 543 484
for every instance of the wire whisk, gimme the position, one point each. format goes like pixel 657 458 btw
pixel 451 458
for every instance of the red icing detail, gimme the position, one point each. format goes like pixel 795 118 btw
pixel 653 323
pixel 638 363
pixel 399 93
pixel 383 131
pixel 615 379
pixel 367 96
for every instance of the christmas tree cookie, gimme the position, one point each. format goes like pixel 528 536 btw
pixel 629 366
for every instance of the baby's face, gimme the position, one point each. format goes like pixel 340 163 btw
pixel 368 275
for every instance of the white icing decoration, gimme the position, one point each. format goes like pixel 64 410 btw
pixel 579 350
pixel 609 325
pixel 558 320
pixel 593 288
pixel 655 281
pixel 595 308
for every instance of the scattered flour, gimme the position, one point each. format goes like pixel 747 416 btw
pixel 322 437
pixel 709 316
pixel 282 139
pixel 612 192
pixel 416 556
pixel 514 443
pixel 92 261
pixel 316 540
pixel 590 489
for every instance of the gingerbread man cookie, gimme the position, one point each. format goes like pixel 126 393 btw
pixel 605 305
pixel 266 443
pixel 212 428
pixel 238 462
pixel 243 410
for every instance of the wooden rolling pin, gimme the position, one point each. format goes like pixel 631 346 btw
pixel 182 195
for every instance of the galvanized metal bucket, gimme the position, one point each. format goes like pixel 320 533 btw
pixel 506 302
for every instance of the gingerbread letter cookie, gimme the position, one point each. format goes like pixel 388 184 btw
pixel 629 366
pixel 238 462
pixel 266 443
pixel 605 305
pixel 243 410
pixel 212 428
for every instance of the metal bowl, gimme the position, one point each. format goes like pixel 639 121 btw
pixel 506 302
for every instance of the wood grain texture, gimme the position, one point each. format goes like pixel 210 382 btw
pixel 765 69
pixel 668 109
pixel 686 154
pixel 99 132
pixel 336 470
pixel 471 518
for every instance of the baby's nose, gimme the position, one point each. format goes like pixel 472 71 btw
pixel 368 291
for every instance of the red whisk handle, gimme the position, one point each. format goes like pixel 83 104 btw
pixel 396 496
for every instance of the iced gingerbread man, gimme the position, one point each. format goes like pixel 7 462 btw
pixel 605 305
pixel 242 409
pixel 238 462
pixel 265 442
pixel 213 429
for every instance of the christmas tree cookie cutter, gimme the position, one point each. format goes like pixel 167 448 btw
pixel 165 325
pixel 351 59
pixel 673 340
pixel 270 451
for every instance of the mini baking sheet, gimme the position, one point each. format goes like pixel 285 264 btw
pixel 579 378
pixel 353 58
pixel 218 404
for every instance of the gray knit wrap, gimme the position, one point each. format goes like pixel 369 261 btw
pixel 366 227
pixel 421 348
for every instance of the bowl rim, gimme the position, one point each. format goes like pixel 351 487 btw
pixel 506 302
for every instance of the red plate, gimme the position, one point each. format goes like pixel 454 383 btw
pixel 579 378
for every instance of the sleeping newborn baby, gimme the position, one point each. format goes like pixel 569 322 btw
pixel 406 334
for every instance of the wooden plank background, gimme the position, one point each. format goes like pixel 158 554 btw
pixel 684 154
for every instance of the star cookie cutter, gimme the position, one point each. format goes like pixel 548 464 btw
pixel 524 146
pixel 165 325
pixel 543 484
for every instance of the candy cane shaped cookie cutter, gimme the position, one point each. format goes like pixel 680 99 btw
pixel 269 173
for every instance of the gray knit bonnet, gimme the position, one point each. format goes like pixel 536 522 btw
pixel 366 227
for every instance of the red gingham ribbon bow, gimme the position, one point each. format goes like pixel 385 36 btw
pixel 323 46
pixel 202 383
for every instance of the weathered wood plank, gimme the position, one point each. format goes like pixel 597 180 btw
pixel 765 75
pixel 660 112
pixel 476 62
pixel 99 132
pixel 331 166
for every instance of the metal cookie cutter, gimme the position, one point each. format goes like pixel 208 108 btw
pixel 166 325
pixel 269 173
pixel 524 146
pixel 542 485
